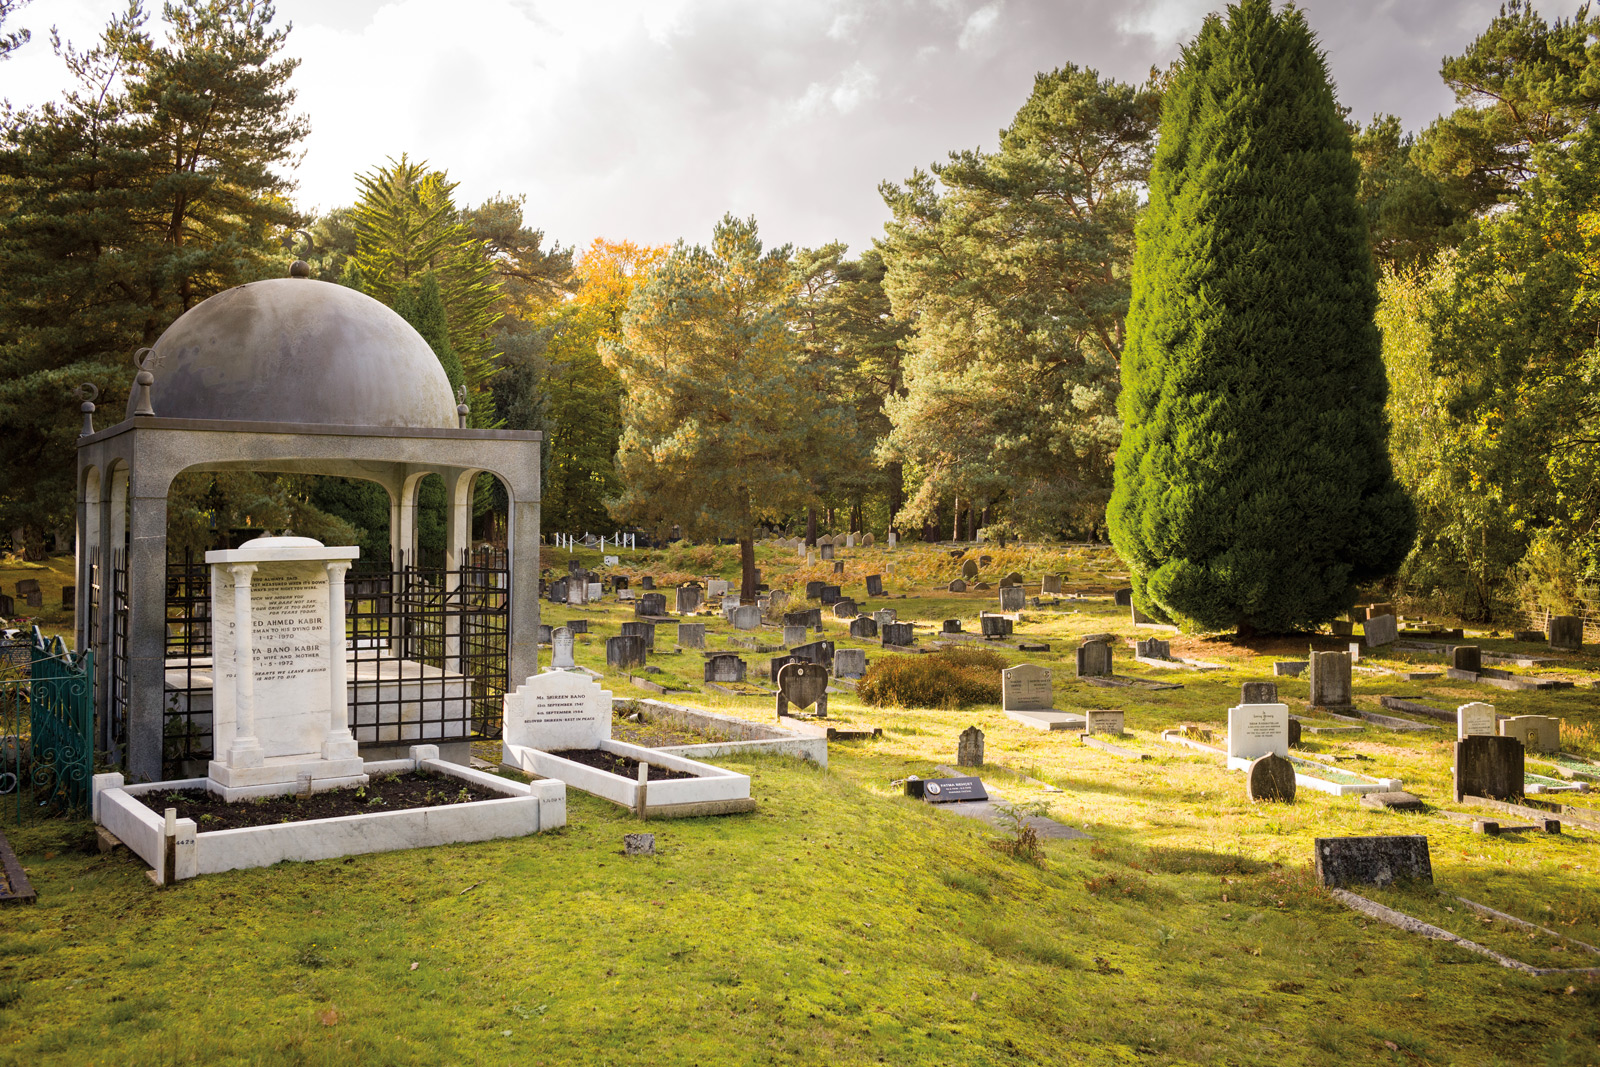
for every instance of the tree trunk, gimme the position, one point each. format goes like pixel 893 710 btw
pixel 897 490
pixel 747 567
pixel 972 518
pixel 955 526
pixel 811 527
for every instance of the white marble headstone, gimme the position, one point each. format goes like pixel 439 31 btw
pixel 557 710
pixel 1476 719
pixel 1258 729
pixel 1026 687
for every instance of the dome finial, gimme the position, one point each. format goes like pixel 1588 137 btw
pixel 299 269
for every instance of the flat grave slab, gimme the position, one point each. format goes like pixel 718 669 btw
pixel 1048 720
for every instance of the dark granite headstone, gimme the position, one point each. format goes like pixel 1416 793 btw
pixel 814 590
pixel 647 582
pixel 646 630
pixel 544 634
pixel 1380 861
pixel 558 591
pixel 1294 732
pixel 1271 777
pixel 578 626
pixel 830 594
pixel 1094 660
pixel 1154 648
pixel 688 599
pixel 1565 633
pixel 776 664
pixel 69 598
pixel 619 582
pixel 1466 658
pixel 27 586
pixel 864 626
pixel 625 651
pixel 897 633
pixel 995 626
pixel 844 609
pixel 816 652
pixel 691 635
pixel 1330 680
pixel 1012 598
pixel 952 626
pixel 654 604
pixel 1050 583
pixel 874 585
pixel 8 607
pixel 838 566
pixel 1489 767
pixel 803 684
pixel 1258 693
pixel 1124 598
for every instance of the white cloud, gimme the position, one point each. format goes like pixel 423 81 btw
pixel 1166 22
pixel 978 27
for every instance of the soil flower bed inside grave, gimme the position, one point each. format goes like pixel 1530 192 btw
pixel 612 763
pixel 393 792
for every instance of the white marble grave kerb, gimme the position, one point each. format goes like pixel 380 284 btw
pixel 280 697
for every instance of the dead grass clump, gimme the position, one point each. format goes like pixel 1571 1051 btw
pixel 949 678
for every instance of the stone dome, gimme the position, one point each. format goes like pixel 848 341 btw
pixel 297 350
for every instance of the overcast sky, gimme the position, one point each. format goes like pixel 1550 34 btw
pixel 647 120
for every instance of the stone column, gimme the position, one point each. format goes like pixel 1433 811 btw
pixel 523 535
pixel 457 547
pixel 341 743
pixel 246 750
pixel 146 517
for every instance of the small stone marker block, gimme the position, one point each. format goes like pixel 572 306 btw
pixel 969 748
pixel 1094 659
pixel 1538 733
pixel 691 635
pixel 1489 767
pixel 1565 633
pixel 1466 658
pixel 969 569
pixel 850 663
pixel 1103 721
pixel 1026 687
pixel 995 626
pixel 639 844
pixel 1289 668
pixel 1381 631
pixel 803 684
pixel 1395 801
pixel 1124 598
pixel 897 633
pixel 874 585
pixel 1270 778
pixel 1476 719
pixel 1330 679
pixel 1050 583
pixel 951 626
pixel 863 626
pixel 1379 861
pixel 957 586
pixel 1257 730
pixel 1258 693
pixel 625 650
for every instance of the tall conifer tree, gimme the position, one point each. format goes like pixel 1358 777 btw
pixel 1253 485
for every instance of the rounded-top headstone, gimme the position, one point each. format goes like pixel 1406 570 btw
pixel 1271 777
pixel 969 569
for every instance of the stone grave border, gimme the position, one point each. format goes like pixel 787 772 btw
pixel 524 808
pixel 1302 766
pixel 742 736
pixel 1400 920
pixel 712 790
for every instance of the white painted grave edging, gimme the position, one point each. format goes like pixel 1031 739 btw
pixel 526 808
pixel 708 784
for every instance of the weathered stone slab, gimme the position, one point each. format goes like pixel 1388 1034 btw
pixel 995 626
pixel 897 633
pixel 1270 778
pixel 646 630
pixel 816 652
pixel 561 642
pixel 969 748
pixel 746 617
pixel 1258 693
pixel 724 667
pixel 691 635
pixel 1094 659
pixel 957 586
pixel 1012 598
pixel 951 626
pixel 624 651
pixel 1489 767
pixel 814 590
pixel 1466 658
pixel 777 663
pixel 830 594
pixel 1565 633
pixel 864 626
pixel 1380 861
pixel 1124 598
pixel 885 615
pixel 795 635
pixel 651 604
pixel 874 585
pixel 1330 679
pixel 1289 668
pixel 1153 648
pixel 850 663
pixel 1050 583
pixel 845 608
pixel 688 597
pixel 1380 631
pixel 969 569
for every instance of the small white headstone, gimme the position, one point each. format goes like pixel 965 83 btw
pixel 561 649
pixel 1102 721
pixel 557 710
pixel 717 587
pixel 1476 719
pixel 612 561
pixel 1257 729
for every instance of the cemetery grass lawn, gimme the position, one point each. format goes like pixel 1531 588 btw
pixel 844 923
pixel 52 574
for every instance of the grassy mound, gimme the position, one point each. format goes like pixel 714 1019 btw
pixel 949 678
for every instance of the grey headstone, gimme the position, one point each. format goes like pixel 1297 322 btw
pixel 866 542
pixel 862 627
pixel 577 626
pixel 688 599
pixel 844 609
pixel 952 626
pixel 777 663
pixel 1330 680
pixel 1013 598
pixel 1258 693
pixel 691 635
pixel 558 591
pixel 814 590
pixel 647 582
pixel 816 652
pixel 1381 631
pixel 1026 687
pixel 625 651
pixel 746 617
pixel 1137 617
pixel 850 663
pixel 1289 668
pixel 1094 660
pixel 639 844
pixel 1124 598
pixel 957 586
pixel 1014 578
pixel 897 633
pixel 1566 633
pixel 1271 777
pixel 969 569
pixel 1155 648
pixel 969 748
pixel 885 615
pixel 827 551
pixel 874 585
pixel 1342 628
pixel 795 635
pixel 544 634
pixel 1380 861
pixel 802 684
pixel 830 594
pixel 646 630
pixel 1050 583
pixel 1489 767
pixel 995 626
pixel 27 586
pixel 724 667
pixel 654 604
pixel 1466 658
pixel 777 600
pixel 561 647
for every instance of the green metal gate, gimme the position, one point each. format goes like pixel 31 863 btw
pixel 46 728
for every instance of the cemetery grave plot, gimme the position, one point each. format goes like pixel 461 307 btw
pixel 617 763
pixel 389 792
pixel 1494 924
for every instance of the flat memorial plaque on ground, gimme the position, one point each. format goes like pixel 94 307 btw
pixel 947 790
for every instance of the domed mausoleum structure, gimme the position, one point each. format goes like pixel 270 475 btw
pixel 294 375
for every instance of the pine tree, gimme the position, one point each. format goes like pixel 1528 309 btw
pixel 1253 486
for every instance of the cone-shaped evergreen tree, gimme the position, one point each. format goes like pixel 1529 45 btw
pixel 1253 485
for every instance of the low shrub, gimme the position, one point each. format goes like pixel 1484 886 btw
pixel 948 678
